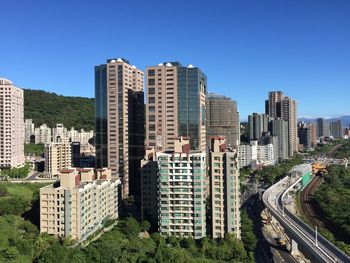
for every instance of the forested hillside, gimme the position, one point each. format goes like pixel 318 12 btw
pixel 333 197
pixel 50 108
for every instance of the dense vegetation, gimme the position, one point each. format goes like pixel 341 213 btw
pixel 36 149
pixel 20 240
pixel 20 172
pixel 270 174
pixel 333 197
pixel 123 244
pixel 343 151
pixel 50 108
pixel 247 228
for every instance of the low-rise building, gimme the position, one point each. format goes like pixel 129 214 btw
pixel 79 204
pixel 255 154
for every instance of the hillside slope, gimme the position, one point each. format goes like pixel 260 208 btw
pixel 50 108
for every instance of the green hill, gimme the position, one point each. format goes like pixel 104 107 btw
pixel 50 108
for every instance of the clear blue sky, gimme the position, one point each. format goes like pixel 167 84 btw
pixel 246 48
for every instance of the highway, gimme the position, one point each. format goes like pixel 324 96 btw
pixel 321 250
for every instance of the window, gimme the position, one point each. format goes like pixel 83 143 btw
pixel 152 127
pixel 151 90
pixel 151 109
pixel 151 72
pixel 151 99
pixel 151 81
pixel 151 117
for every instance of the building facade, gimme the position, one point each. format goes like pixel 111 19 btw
pixel 279 128
pixel 289 114
pixel 120 121
pixel 269 139
pixel 182 191
pixel 304 134
pixel 255 154
pixel 222 119
pixel 29 130
pixel 313 131
pixel 12 125
pixel 79 204
pixel 255 126
pixel 336 129
pixel 175 106
pixel 224 189
pixel 43 134
pixel 280 106
pixel 149 187
pixel 321 128
pixel 58 156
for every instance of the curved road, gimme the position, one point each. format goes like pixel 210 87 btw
pixel 323 250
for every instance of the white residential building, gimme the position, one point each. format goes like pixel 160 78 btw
pixel 29 130
pixel 81 136
pixel 59 132
pixel 43 134
pixel 256 154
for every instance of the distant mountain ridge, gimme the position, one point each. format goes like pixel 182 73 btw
pixel 51 108
pixel 344 119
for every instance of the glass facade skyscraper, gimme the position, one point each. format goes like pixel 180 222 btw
pixel 101 115
pixel 192 82
pixel 120 121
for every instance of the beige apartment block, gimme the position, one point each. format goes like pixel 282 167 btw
pixel 224 188
pixel 175 105
pixel 161 106
pixel 79 204
pixel 11 125
pixel 289 114
pixel 58 156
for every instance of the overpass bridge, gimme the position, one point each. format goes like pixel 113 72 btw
pixel 303 236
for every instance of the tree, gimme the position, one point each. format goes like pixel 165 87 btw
pixel 145 225
pixel 247 232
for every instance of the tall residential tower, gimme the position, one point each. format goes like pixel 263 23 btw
pixel 119 121
pixel 224 188
pixel 175 105
pixel 281 106
pixel 12 125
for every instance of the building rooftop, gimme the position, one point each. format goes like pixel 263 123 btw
pixel 5 81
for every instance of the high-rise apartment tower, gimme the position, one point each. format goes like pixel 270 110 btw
pixel 11 125
pixel 120 121
pixel 175 105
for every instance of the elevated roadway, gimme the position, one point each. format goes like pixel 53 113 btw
pixel 313 245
